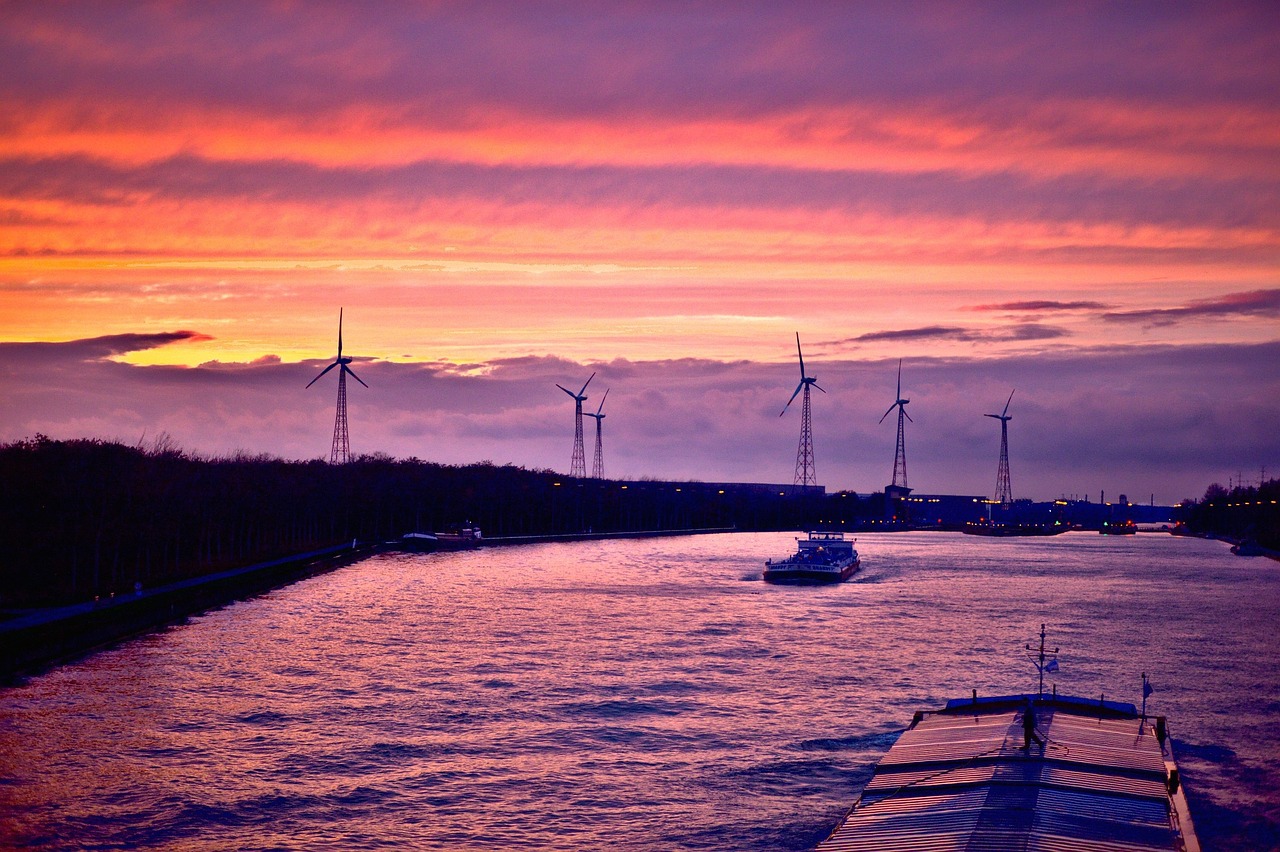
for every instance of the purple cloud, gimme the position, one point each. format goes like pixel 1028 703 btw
pixel 95 348
pixel 1023 331
pixel 1040 305
pixel 444 62
pixel 1156 424
pixel 930 332
pixel 1254 303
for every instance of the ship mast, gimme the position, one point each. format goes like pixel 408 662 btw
pixel 1040 662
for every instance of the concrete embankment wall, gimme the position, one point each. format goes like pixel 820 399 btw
pixel 39 639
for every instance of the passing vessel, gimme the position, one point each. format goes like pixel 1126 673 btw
pixel 823 557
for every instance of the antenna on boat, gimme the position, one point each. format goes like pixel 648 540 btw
pixel 1041 663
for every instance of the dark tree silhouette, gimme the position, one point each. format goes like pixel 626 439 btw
pixel 88 518
pixel 1243 513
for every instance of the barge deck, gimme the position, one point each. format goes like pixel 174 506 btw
pixel 1103 780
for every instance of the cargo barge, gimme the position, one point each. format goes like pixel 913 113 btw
pixel 1041 772
pixel 823 557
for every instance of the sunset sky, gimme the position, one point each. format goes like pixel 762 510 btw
pixel 1080 201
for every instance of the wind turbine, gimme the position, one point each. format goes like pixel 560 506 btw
pixel 597 466
pixel 1004 491
pixel 900 455
pixel 341 451
pixel 806 473
pixel 578 464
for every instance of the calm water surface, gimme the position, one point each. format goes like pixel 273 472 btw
pixel 634 695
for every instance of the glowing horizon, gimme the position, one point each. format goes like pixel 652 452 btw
pixel 475 185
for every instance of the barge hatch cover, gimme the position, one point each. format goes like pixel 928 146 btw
pixel 960 779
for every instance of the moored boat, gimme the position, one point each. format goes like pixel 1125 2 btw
pixel 416 542
pixel 1013 530
pixel 458 537
pixel 823 557
pixel 1248 547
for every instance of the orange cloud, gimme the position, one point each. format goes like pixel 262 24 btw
pixel 1064 137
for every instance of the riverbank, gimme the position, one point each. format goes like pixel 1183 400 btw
pixel 35 640
pixel 1239 546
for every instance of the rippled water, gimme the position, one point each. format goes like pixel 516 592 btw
pixel 628 695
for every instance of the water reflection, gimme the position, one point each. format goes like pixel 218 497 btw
pixel 630 695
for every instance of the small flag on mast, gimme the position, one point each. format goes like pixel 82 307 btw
pixel 1051 666
pixel 1146 687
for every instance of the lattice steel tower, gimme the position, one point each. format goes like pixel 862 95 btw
pixel 597 465
pixel 578 463
pixel 806 471
pixel 900 454
pixel 340 452
pixel 1004 491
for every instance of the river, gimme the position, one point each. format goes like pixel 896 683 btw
pixel 627 695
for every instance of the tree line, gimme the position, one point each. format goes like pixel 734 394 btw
pixel 1241 513
pixel 87 518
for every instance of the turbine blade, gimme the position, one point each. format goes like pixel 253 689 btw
pixel 322 372
pixel 801 354
pixel 566 390
pixel 996 416
pixel 352 374
pixel 906 415
pixel 815 384
pixel 899 378
pixel 584 385
pixel 1009 400
pixel 886 414
pixel 339 332
pixel 602 399
pixel 793 397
